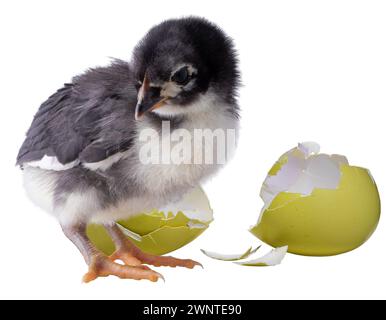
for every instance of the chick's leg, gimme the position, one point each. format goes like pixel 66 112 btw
pixel 127 252
pixel 99 264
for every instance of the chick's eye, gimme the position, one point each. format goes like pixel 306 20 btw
pixel 181 76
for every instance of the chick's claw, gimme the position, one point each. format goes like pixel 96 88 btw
pixel 103 267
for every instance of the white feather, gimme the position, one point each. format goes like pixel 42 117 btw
pixel 39 185
pixel 79 206
pixel 206 113
pixel 51 163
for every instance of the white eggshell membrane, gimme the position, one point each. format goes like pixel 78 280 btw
pixel 194 205
pixel 304 171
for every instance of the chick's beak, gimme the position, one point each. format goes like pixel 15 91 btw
pixel 148 99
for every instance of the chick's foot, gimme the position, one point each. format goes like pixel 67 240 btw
pixel 102 266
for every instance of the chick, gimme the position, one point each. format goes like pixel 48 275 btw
pixel 81 156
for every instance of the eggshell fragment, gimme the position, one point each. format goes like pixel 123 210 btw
pixel 230 257
pixel 272 258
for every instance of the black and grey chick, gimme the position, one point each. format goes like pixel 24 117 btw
pixel 81 156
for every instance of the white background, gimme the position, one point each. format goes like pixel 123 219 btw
pixel 312 70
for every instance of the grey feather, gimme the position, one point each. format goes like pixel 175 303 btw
pixel 87 120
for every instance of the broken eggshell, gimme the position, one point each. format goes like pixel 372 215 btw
pixel 161 231
pixel 272 258
pixel 229 257
pixel 317 204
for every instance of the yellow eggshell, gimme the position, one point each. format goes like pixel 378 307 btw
pixel 327 222
pixel 160 232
